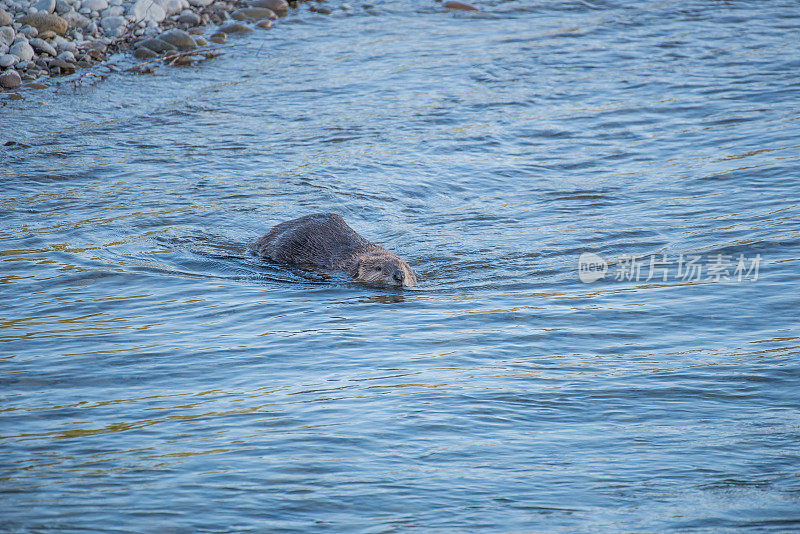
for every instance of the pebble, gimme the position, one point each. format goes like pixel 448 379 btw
pixel 113 11
pixel 112 24
pixel 236 27
pixel 183 60
pixel 8 60
pixel 63 45
pixel 218 37
pixel 253 14
pixel 45 6
pixel 64 66
pixel 10 79
pixel 200 41
pixel 76 20
pixel 278 6
pixel 265 24
pixel 157 45
pixel 29 31
pixel 5 18
pixel 191 19
pixel 16 96
pixel 170 7
pixel 147 10
pixel 46 21
pixel 22 50
pixel 43 47
pixel 7 35
pixel 179 39
pixel 143 52
pixel 95 5
pixel 459 5
pixel 63 7
pixel 67 56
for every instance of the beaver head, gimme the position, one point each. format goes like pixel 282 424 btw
pixel 383 267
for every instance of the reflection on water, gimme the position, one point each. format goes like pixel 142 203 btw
pixel 155 373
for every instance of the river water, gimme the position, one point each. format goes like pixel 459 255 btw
pixel 156 377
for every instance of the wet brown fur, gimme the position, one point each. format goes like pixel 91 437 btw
pixel 325 240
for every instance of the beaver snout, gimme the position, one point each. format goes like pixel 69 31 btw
pixel 399 276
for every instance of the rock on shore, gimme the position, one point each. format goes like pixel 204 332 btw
pixel 52 37
pixel 56 37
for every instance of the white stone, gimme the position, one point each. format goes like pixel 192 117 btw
pixel 201 3
pixel 62 6
pixel 43 47
pixel 69 46
pixel 67 56
pixel 76 20
pixel 45 6
pixel 116 32
pixel 7 35
pixel 8 60
pixel 112 23
pixel 95 5
pixel 22 50
pixel 113 11
pixel 170 7
pixel 5 18
pixel 147 10
pixel 29 31
pixel 10 79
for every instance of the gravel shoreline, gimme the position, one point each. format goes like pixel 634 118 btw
pixel 58 37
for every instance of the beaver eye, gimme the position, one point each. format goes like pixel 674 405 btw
pixel 377 268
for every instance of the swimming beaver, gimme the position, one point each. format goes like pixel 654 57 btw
pixel 325 240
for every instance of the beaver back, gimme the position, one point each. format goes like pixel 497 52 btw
pixel 321 239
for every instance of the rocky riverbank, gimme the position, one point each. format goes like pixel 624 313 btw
pixel 57 37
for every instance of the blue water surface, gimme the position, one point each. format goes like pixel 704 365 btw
pixel 157 377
